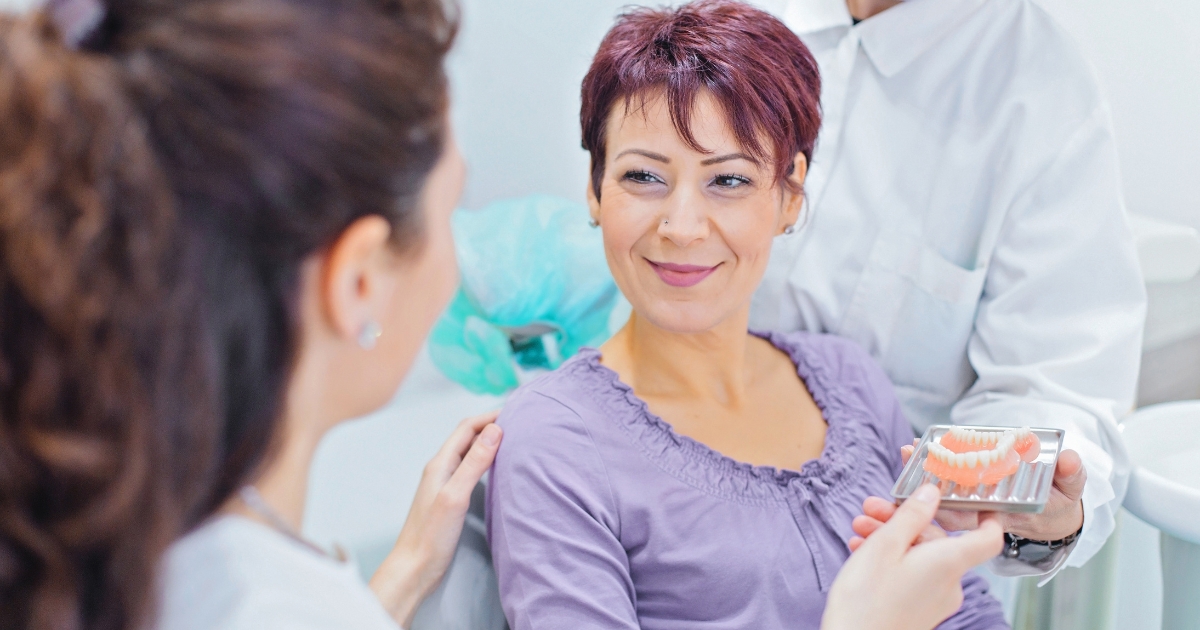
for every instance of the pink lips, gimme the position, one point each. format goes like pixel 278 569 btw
pixel 681 275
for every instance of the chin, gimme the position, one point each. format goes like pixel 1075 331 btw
pixel 683 317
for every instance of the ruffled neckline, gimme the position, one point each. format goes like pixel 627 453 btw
pixel 704 468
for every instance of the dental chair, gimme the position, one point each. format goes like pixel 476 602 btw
pixel 468 598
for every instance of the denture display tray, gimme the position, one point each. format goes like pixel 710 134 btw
pixel 1026 490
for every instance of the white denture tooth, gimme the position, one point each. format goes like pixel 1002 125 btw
pixel 985 458
pixel 960 460
pixel 973 459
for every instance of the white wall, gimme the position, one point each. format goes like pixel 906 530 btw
pixel 1147 55
pixel 516 73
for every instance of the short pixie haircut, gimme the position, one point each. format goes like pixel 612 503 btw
pixel 762 74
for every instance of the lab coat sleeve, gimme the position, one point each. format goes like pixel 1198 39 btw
pixel 1058 333
pixel 552 523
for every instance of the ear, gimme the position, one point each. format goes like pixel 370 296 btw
pixel 793 192
pixel 592 200
pixel 355 285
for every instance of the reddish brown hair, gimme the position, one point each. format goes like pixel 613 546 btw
pixel 160 188
pixel 761 73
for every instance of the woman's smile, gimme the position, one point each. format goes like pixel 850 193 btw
pixel 681 275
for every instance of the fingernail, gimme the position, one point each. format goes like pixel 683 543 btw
pixel 490 435
pixel 927 493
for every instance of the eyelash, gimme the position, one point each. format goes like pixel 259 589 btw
pixel 646 177
pixel 741 181
pixel 641 177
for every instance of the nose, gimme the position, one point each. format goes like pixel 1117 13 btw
pixel 684 219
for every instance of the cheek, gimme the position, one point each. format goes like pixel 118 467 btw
pixel 749 232
pixel 625 224
pixel 440 265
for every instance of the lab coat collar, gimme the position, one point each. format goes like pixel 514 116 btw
pixel 892 39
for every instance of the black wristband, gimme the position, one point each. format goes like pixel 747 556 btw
pixel 1029 550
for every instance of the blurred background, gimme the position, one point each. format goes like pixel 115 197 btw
pixel 516 72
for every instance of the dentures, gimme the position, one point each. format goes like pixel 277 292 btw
pixel 965 440
pixel 970 457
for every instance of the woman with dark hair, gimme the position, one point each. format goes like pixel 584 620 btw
pixel 691 473
pixel 224 229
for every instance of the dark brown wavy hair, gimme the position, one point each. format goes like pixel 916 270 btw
pixel 160 187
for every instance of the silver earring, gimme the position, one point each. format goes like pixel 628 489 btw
pixel 593 223
pixel 369 335
pixel 666 221
pixel 789 229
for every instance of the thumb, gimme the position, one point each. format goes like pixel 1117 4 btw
pixel 910 519
pixel 1070 475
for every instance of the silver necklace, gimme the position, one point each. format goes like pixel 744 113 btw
pixel 257 504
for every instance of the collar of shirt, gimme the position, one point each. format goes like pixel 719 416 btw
pixel 892 39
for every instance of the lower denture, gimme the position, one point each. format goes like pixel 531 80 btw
pixel 1003 460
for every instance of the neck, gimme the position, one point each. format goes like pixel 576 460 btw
pixel 710 365
pixel 283 482
pixel 863 9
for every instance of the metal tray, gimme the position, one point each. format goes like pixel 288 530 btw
pixel 1027 490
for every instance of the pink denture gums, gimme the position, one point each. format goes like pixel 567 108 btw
pixel 970 457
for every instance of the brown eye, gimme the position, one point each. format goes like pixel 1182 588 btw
pixel 641 177
pixel 730 181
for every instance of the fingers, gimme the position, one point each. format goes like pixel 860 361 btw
pixel 854 543
pixel 977 546
pixel 447 459
pixel 864 525
pixel 879 509
pixel 1070 475
pixel 906 452
pixel 909 520
pixel 479 458
pixel 956 521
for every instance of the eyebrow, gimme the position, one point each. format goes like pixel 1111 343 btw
pixel 727 158
pixel 658 157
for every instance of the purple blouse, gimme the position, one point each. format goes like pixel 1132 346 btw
pixel 601 516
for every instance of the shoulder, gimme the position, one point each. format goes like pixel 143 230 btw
pixel 1021 57
pixel 835 356
pixel 231 574
pixel 562 400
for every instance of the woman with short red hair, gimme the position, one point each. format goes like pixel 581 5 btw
pixel 691 473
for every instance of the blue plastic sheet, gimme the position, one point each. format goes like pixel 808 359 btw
pixel 535 289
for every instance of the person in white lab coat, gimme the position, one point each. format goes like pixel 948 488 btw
pixel 966 225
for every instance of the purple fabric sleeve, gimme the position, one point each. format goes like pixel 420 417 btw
pixel 560 562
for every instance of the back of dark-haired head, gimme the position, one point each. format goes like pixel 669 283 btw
pixel 756 68
pixel 160 188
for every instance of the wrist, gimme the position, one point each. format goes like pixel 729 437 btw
pixel 1046 528
pixel 400 584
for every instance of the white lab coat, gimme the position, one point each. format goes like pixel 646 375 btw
pixel 966 225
